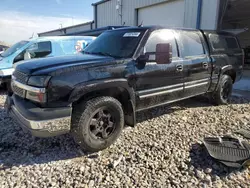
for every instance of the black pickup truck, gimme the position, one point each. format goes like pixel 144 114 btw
pixel 92 95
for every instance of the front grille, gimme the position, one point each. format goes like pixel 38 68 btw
pixel 18 91
pixel 20 77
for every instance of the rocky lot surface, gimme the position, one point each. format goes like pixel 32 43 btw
pixel 163 150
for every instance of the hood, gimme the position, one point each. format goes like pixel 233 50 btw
pixel 46 65
pixel 5 62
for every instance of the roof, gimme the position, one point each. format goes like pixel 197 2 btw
pixel 154 27
pixel 87 23
pixel 99 2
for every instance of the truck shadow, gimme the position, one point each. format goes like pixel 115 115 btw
pixel 20 148
pixel 195 102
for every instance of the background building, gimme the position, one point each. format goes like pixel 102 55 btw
pixel 200 14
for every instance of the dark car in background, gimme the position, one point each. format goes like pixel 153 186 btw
pixel 3 48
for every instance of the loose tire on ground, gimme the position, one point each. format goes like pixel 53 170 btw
pixel 224 91
pixel 97 123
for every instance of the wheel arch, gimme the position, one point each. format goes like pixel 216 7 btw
pixel 117 88
pixel 229 70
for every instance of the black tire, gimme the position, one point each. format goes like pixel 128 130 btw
pixel 8 88
pixel 224 91
pixel 97 123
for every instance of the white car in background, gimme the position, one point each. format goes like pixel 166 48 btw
pixel 41 47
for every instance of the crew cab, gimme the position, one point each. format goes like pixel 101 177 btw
pixel 94 94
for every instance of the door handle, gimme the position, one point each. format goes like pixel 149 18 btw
pixel 179 68
pixel 205 65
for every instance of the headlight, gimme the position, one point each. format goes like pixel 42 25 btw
pixel 39 81
pixel 38 95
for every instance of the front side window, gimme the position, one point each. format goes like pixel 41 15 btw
pixel 117 43
pixel 14 48
pixel 192 44
pixel 158 37
pixel 38 50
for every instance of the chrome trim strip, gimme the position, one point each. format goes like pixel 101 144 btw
pixel 160 93
pixel 197 81
pixel 195 85
pixel 28 88
pixel 168 89
pixel 159 89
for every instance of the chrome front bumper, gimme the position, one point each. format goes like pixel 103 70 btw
pixel 45 128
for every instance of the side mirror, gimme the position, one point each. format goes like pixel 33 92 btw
pixel 143 58
pixel 163 53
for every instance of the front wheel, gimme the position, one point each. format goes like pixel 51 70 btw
pixel 97 123
pixel 224 91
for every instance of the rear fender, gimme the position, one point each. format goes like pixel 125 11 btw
pixel 222 71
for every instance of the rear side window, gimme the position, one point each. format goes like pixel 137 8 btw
pixel 191 43
pixel 67 47
pixel 44 48
pixel 231 43
pixel 220 42
pixel 161 36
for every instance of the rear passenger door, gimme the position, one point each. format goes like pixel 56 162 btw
pixel 197 64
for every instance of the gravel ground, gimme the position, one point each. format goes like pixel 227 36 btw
pixel 163 150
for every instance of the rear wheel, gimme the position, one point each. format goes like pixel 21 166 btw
pixel 97 123
pixel 224 91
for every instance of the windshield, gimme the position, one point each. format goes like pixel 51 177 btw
pixel 118 44
pixel 14 48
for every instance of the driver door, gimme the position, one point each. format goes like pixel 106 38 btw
pixel 36 50
pixel 157 84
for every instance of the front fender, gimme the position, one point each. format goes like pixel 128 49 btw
pixel 129 106
pixel 87 87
